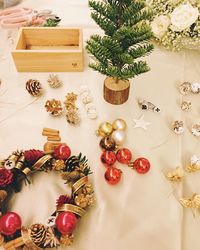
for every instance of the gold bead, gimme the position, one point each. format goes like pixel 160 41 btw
pixel 105 129
pixel 119 124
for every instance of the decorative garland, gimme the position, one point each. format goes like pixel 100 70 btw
pixel 69 208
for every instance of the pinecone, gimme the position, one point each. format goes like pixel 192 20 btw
pixel 38 234
pixel 58 165
pixel 87 189
pixel 63 199
pixel 50 239
pixel 32 155
pixel 71 176
pixel 73 117
pixel 54 107
pixel 67 240
pixel 3 195
pixel 1 239
pixel 81 201
pixel 72 163
pixel 54 81
pixel 34 87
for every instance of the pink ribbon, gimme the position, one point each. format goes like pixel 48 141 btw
pixel 15 17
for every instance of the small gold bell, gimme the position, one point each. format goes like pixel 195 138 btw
pixel 105 129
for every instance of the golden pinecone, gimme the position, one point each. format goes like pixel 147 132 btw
pixel 58 165
pixel 81 200
pixel 38 234
pixel 72 116
pixel 87 189
pixel 28 248
pixel 3 195
pixel 71 176
pixel 54 107
pixel 67 240
pixel 2 163
pixel 34 87
pixel 1 239
pixel 54 81
pixel 50 239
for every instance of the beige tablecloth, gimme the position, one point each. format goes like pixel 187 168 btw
pixel 142 212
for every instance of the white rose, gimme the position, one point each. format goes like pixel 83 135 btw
pixel 160 25
pixel 183 17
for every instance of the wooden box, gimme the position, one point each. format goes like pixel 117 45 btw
pixel 42 49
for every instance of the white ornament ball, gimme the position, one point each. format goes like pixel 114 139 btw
pixel 119 136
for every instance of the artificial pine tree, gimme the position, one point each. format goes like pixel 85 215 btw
pixel 117 53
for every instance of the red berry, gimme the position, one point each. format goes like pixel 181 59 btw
pixel 141 165
pixel 108 158
pixel 66 222
pixel 124 155
pixel 62 152
pixel 10 223
pixel 113 175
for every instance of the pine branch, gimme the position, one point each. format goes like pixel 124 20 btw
pixel 131 18
pixel 136 68
pixel 129 36
pixel 134 8
pixel 98 67
pixel 104 9
pixel 98 51
pixel 108 26
pixel 140 50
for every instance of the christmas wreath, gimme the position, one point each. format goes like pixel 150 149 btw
pixel 69 208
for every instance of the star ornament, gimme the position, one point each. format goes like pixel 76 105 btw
pixel 141 123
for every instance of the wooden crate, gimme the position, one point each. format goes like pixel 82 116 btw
pixel 42 49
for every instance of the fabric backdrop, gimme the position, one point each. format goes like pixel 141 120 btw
pixel 142 212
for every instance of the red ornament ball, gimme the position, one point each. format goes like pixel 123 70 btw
pixel 141 165
pixel 10 223
pixel 62 152
pixel 124 155
pixel 66 222
pixel 108 158
pixel 113 175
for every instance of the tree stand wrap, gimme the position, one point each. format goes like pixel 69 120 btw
pixel 116 92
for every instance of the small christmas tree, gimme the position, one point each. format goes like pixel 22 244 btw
pixel 127 32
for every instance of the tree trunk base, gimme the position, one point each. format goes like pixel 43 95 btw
pixel 116 92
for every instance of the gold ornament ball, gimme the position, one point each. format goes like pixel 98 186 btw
pixel 118 136
pixel 107 143
pixel 119 124
pixel 105 129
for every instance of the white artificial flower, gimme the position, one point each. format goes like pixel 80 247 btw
pixel 183 17
pixel 160 25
